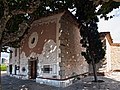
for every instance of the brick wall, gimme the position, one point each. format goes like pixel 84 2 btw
pixel 45 32
pixel 72 63
pixel 61 35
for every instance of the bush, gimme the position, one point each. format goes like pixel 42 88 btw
pixel 3 67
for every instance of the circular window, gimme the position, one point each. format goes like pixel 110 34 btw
pixel 23 69
pixel 33 39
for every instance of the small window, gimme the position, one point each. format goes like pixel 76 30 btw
pixel 23 69
pixel 33 40
pixel 46 69
pixel 15 52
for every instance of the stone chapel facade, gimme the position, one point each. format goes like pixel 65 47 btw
pixel 50 52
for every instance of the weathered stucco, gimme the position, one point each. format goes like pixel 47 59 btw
pixel 108 56
pixel 53 41
pixel 115 57
pixel 45 32
pixel 72 62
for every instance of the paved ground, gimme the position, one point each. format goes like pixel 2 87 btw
pixel 86 84
pixel 11 83
pixel 110 83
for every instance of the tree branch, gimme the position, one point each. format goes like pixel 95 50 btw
pixel 97 2
pixel 12 37
pixel 5 18
pixel 9 37
pixel 32 7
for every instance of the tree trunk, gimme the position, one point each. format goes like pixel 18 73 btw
pixel 94 70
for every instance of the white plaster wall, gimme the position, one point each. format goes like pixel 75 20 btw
pixel 14 61
pixel 108 56
pixel 49 57
pixel 24 63
pixel 115 57
pixel 55 83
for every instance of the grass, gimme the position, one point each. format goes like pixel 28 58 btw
pixel 3 67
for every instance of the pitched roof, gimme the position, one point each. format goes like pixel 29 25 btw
pixel 62 13
pixel 109 38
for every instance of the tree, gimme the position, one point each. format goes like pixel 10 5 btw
pixel 16 16
pixel 90 36
pixel 13 22
pixel 91 41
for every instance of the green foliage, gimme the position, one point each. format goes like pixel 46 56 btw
pixel 87 16
pixel 19 4
pixel 91 41
pixel 85 13
pixel 13 24
pixel 85 10
pixel 3 67
pixel 1 9
pixel 108 7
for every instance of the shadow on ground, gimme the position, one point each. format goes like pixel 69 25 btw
pixel 87 84
pixel 10 83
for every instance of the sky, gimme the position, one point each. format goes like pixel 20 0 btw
pixel 112 25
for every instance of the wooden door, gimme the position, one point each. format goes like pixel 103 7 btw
pixel 15 69
pixel 10 69
pixel 32 69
